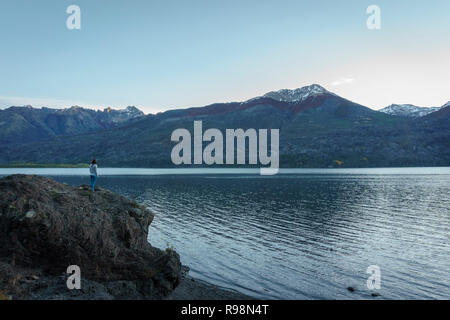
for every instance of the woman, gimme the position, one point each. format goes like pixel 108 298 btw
pixel 94 175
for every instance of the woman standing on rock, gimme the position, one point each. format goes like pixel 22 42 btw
pixel 94 175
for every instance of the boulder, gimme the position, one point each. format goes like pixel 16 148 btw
pixel 46 226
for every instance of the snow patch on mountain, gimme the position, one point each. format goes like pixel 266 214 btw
pixel 446 105
pixel 122 115
pixel 295 95
pixel 408 110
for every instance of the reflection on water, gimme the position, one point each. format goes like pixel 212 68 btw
pixel 296 236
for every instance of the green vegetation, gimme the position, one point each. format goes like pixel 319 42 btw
pixel 169 248
pixel 4 295
pixel 43 165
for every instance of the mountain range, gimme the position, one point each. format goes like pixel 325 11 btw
pixel 317 129
pixel 27 124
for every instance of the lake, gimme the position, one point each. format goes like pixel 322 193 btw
pixel 301 234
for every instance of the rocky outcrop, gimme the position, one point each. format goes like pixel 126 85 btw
pixel 46 226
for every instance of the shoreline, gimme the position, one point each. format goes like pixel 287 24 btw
pixel 191 288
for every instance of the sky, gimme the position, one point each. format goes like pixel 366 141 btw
pixel 168 54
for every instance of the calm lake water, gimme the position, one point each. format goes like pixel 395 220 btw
pixel 302 234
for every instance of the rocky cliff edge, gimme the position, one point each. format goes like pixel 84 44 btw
pixel 46 226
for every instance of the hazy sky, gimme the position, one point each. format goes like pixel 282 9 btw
pixel 160 55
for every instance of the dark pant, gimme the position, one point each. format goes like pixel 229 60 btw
pixel 93 181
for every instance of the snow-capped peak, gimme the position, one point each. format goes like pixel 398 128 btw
pixel 295 95
pixel 408 110
pixel 132 110
pixel 129 111
pixel 446 105
pixel 298 94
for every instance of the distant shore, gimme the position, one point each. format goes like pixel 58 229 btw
pixel 32 165
pixel 44 165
